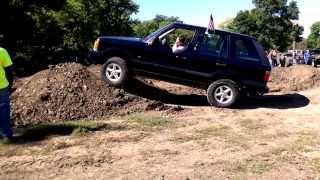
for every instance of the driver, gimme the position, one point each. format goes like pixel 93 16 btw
pixel 179 46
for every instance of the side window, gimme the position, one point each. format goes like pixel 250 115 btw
pixel 171 36
pixel 244 49
pixel 214 45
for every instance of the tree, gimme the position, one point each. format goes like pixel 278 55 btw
pixel 271 21
pixel 226 24
pixel 144 28
pixel 314 37
pixel 47 32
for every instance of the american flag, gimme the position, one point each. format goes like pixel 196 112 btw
pixel 211 24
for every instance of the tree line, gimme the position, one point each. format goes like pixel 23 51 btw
pixel 39 33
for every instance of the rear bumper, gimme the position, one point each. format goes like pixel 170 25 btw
pixel 95 57
pixel 255 86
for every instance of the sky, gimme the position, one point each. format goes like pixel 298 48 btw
pixel 197 12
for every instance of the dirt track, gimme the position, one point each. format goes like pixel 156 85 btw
pixel 273 137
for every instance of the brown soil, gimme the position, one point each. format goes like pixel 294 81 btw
pixel 294 78
pixel 71 92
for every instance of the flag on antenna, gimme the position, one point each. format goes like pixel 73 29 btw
pixel 211 24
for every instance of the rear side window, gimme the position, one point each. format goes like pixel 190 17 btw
pixel 244 49
pixel 214 45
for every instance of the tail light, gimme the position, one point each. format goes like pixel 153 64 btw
pixel 96 45
pixel 266 76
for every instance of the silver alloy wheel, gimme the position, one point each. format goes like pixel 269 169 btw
pixel 223 94
pixel 113 72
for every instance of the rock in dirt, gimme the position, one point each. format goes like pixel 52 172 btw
pixel 294 78
pixel 71 92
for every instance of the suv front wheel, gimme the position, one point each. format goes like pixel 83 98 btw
pixel 115 71
pixel 223 93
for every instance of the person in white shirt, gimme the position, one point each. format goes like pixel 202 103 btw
pixel 179 45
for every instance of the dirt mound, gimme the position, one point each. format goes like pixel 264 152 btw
pixel 294 78
pixel 71 92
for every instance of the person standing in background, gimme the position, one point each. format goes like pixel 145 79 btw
pixel 307 57
pixel 5 80
pixel 273 55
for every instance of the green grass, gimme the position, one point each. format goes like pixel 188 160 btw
pixel 73 128
pixel 219 131
pixel 224 133
pixel 252 166
pixel 147 122
pixel 316 164
pixel 304 142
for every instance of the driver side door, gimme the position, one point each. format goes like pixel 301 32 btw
pixel 161 57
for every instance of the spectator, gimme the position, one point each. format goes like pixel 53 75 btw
pixel 273 55
pixel 307 58
pixel 5 126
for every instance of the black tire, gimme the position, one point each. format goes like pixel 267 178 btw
pixel 119 76
pixel 219 85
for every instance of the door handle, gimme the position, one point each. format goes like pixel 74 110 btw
pixel 221 64
pixel 183 57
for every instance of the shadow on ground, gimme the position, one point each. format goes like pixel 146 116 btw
pixel 43 131
pixel 284 101
pixel 139 88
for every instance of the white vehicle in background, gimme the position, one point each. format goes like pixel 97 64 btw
pixel 297 56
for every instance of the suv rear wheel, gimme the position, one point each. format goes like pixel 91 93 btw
pixel 115 71
pixel 223 93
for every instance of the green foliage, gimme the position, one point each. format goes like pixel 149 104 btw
pixel 314 37
pixel 226 24
pixel 41 32
pixel 271 21
pixel 144 28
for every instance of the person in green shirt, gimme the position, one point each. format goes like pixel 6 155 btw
pixel 5 126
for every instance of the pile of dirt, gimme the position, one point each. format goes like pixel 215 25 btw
pixel 71 92
pixel 294 78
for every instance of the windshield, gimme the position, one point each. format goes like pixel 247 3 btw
pixel 155 32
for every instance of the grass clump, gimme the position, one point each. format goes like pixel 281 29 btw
pixel 219 131
pixel 253 167
pixel 304 143
pixel 147 122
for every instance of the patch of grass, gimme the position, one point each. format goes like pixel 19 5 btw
pixel 185 138
pixel 315 163
pixel 252 125
pixel 225 133
pixel 252 166
pixel 220 131
pixel 9 150
pixel 74 128
pixel 147 122
pixel 303 144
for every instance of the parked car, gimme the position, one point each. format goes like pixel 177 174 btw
pixel 287 59
pixel 315 57
pixel 224 63
pixel 297 56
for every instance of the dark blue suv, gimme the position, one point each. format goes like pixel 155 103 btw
pixel 224 63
